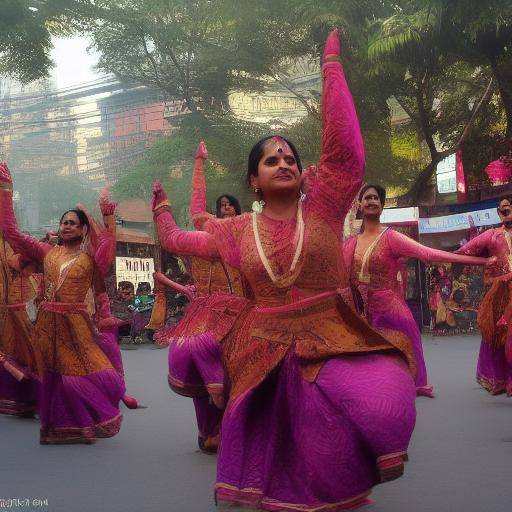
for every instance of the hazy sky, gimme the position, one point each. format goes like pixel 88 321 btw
pixel 74 65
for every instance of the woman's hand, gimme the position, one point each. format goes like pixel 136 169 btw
pixel 491 262
pixel 107 204
pixel 158 196
pixel 332 48
pixel 201 151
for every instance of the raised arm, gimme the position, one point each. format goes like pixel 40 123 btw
pixel 103 237
pixel 198 204
pixel 341 167
pixel 172 238
pixel 404 247
pixel 20 242
pixel 106 249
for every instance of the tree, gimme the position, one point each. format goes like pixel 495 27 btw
pixel 487 26
pixel 25 40
pixel 170 160
pixel 196 51
pixel 442 95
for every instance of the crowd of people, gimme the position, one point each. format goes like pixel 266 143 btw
pixel 299 352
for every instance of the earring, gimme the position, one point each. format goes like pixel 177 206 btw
pixel 302 196
pixel 256 190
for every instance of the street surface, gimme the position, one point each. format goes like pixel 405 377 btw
pixel 460 457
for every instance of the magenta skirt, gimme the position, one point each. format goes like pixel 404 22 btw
pixel 82 408
pixel 493 371
pixel 293 445
pixel 196 371
pixel 17 397
pixel 389 311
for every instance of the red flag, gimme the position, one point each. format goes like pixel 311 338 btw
pixel 460 178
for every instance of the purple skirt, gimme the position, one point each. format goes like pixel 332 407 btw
pixel 293 445
pixel 493 372
pixel 195 366
pixel 18 398
pixel 195 370
pixel 81 408
pixel 76 409
pixel 389 311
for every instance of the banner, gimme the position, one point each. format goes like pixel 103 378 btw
pixel 459 221
pixel 135 270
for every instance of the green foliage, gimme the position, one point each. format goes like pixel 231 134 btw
pixel 171 161
pixel 24 41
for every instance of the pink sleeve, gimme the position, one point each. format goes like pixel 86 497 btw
pixel 404 247
pixel 198 196
pixel 228 234
pixel 20 242
pixel 177 241
pixel 340 171
pixel 105 252
pixel 478 245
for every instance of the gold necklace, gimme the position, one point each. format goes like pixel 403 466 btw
pixel 298 238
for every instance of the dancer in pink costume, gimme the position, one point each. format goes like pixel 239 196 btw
pixel 494 371
pixel 80 389
pixel 321 405
pixel 216 300
pixel 374 259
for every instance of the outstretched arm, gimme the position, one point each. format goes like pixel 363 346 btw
pixel 341 167
pixel 404 247
pixel 478 245
pixel 20 242
pixel 188 291
pixel 172 238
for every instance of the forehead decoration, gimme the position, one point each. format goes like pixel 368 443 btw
pixel 280 145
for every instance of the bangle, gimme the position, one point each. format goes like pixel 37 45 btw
pixel 163 203
pixel 161 208
pixel 328 59
pixel 6 186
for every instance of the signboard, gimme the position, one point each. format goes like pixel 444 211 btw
pixel 135 270
pixel 459 221
pixel 399 215
pixel 446 174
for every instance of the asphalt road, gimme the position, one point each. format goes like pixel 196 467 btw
pixel 460 456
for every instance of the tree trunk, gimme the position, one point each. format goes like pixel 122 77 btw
pixel 421 184
pixel 502 71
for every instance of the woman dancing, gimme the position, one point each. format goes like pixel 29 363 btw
pixel 80 389
pixel 494 371
pixel 374 259
pixel 321 405
pixel 195 365
pixel 18 383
